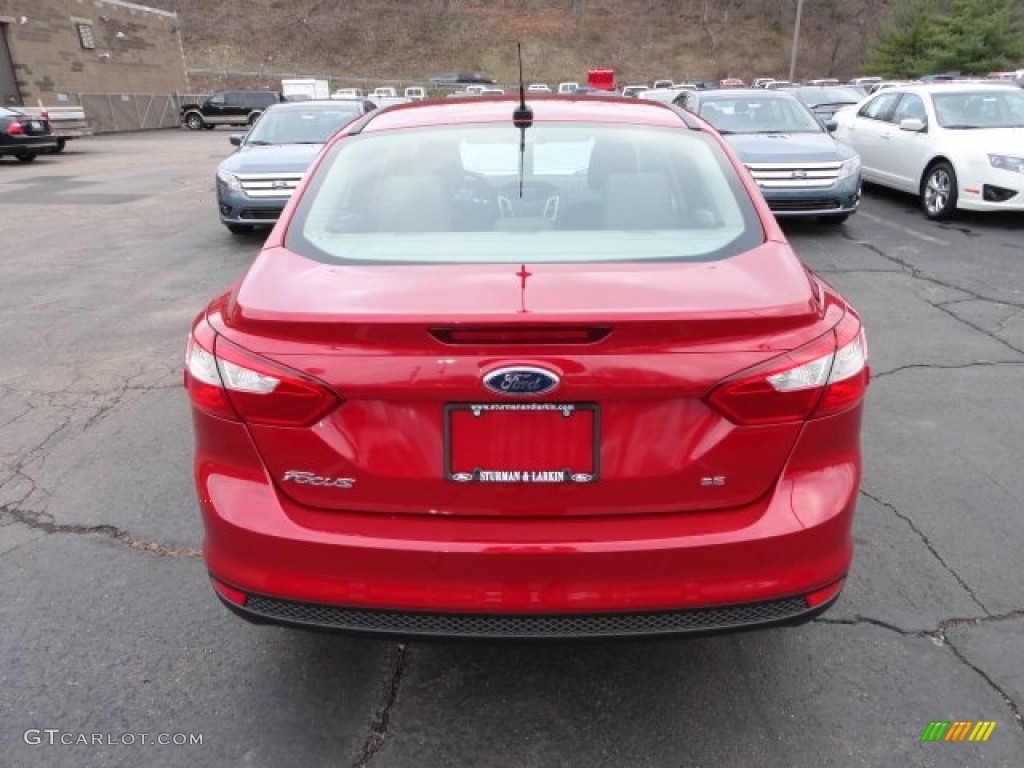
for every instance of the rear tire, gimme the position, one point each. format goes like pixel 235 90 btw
pixel 61 143
pixel 254 117
pixel 25 158
pixel 939 192
pixel 239 229
pixel 194 121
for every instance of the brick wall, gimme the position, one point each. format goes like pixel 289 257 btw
pixel 137 49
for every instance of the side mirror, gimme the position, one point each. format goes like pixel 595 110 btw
pixel 830 124
pixel 914 124
pixel 236 139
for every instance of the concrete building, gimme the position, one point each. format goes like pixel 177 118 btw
pixel 100 54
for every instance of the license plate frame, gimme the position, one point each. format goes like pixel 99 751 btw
pixel 517 475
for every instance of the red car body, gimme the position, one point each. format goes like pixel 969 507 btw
pixel 528 449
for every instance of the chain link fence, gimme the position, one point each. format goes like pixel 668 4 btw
pixel 113 112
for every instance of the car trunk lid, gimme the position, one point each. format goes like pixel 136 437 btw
pixel 435 418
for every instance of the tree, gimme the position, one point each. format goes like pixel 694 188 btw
pixel 907 42
pixel 979 36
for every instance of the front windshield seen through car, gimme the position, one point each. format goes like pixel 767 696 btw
pixel 586 193
pixel 814 97
pixel 759 115
pixel 987 108
pixel 309 125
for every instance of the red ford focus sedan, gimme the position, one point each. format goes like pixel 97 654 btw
pixel 557 376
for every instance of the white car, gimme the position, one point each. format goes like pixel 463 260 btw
pixel 664 95
pixel 538 88
pixel 633 90
pixel 952 145
pixel 416 93
pixel 568 88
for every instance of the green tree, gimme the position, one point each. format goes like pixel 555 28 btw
pixel 907 42
pixel 979 36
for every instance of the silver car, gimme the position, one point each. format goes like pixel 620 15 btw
pixel 255 183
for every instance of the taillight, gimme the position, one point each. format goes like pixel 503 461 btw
pixel 228 381
pixel 15 129
pixel 824 377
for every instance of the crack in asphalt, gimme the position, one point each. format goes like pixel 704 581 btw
pixel 930 547
pixel 919 274
pixel 43 521
pixel 990 334
pixel 382 719
pixel 940 367
pixel 72 402
pixel 1007 699
pixel 940 636
pixel 1003 323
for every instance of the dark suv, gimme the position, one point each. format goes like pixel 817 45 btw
pixel 228 108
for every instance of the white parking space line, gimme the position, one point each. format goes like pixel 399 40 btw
pixel 906 230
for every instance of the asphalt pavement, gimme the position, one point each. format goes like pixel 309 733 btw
pixel 111 640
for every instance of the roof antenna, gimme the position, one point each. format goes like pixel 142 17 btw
pixel 522 118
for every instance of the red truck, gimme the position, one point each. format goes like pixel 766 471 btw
pixel 601 79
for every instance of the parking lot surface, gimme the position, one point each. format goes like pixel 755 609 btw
pixel 109 630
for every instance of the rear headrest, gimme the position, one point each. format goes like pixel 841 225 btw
pixel 608 157
pixel 410 203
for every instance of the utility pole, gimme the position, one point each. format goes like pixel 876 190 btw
pixel 796 41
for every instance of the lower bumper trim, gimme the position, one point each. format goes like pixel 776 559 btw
pixel 792 610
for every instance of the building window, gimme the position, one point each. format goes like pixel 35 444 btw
pixel 85 36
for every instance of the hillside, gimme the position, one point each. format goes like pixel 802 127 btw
pixel 408 40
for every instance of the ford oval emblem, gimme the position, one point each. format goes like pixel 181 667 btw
pixel 521 380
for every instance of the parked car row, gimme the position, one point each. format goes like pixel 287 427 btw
pixel 807 148
pixel 955 145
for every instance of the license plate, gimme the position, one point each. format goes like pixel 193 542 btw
pixel 33 125
pixel 515 443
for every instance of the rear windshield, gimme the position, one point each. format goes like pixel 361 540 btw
pixel 569 193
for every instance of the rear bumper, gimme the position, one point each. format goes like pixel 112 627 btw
pixel 732 618
pixel 687 572
pixel 32 145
